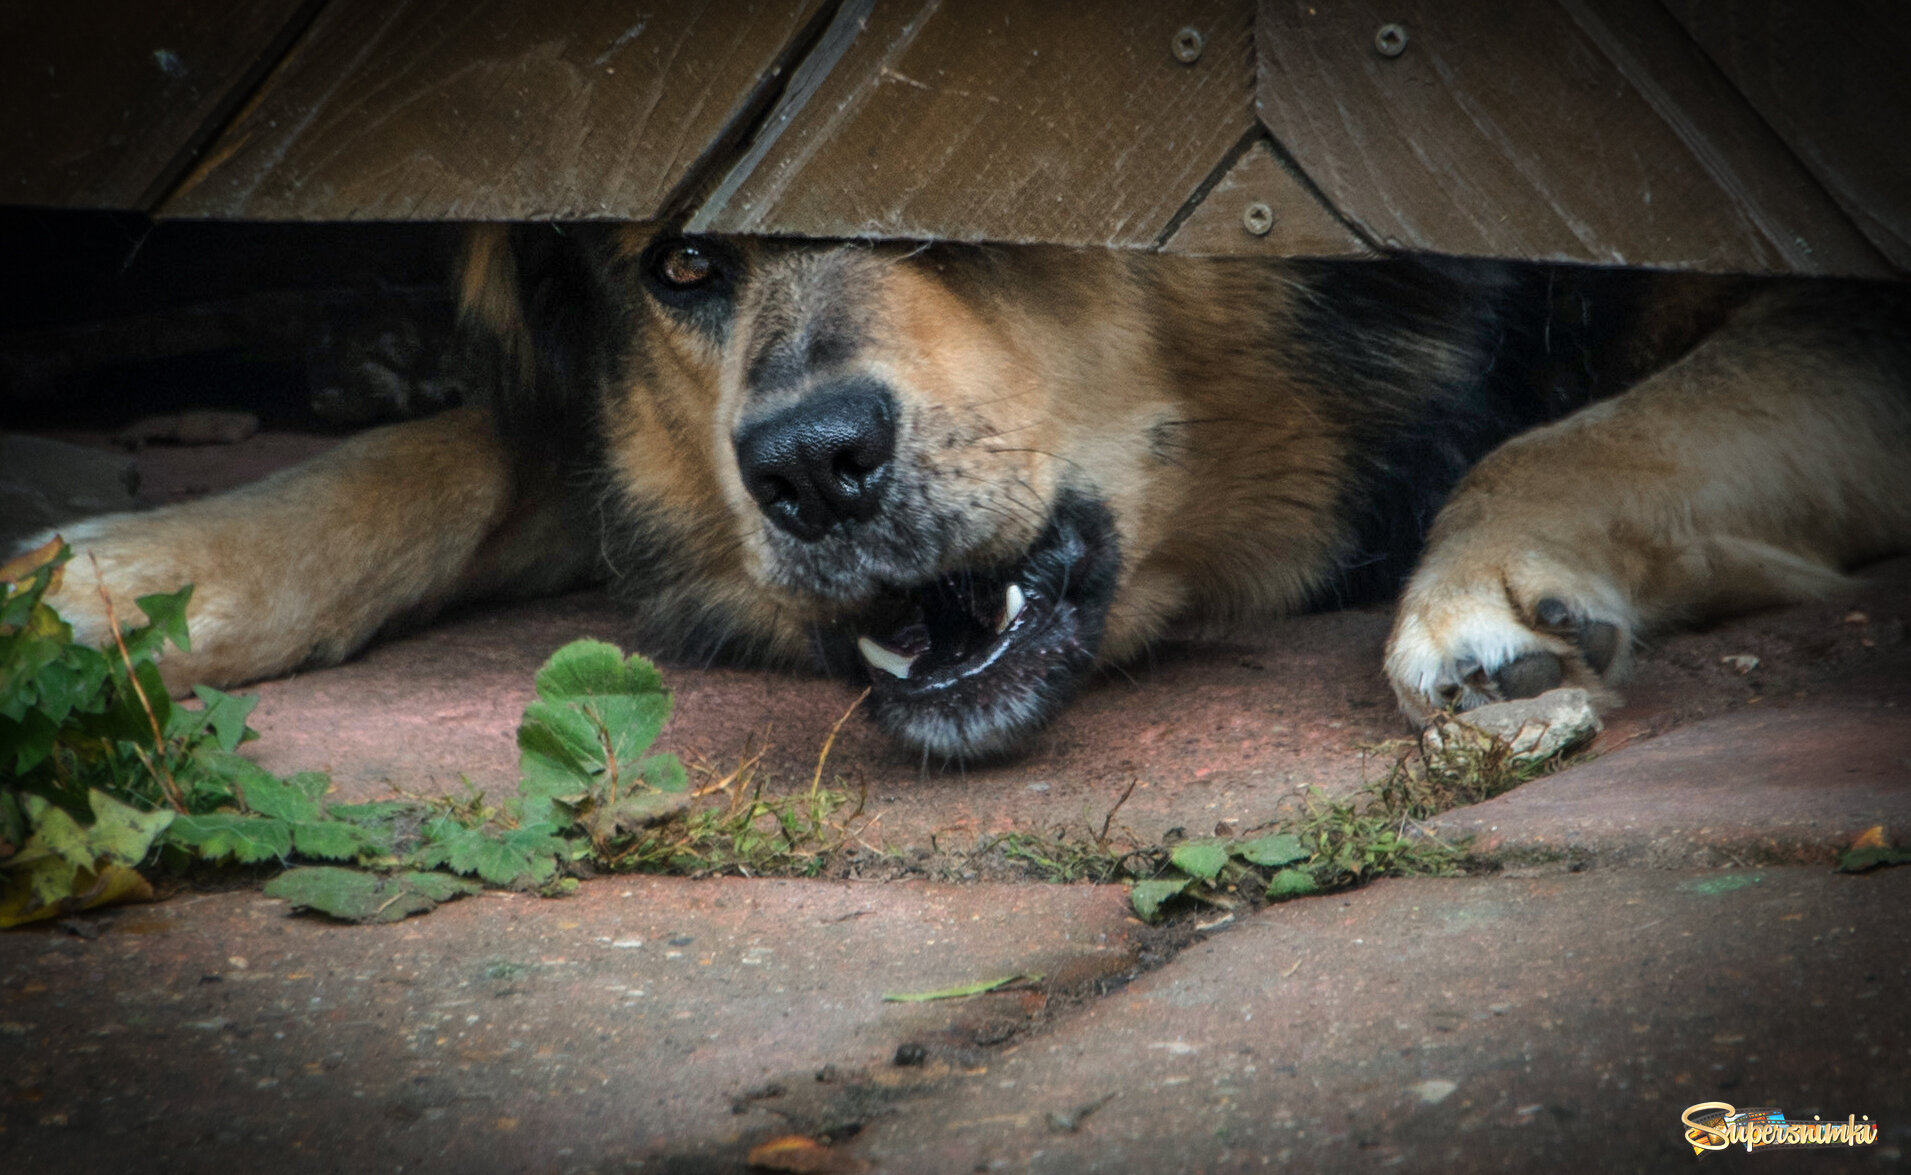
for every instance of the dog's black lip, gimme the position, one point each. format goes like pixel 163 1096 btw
pixel 950 673
pixel 979 692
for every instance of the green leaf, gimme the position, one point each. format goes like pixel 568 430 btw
pixel 225 715
pixel 519 857
pixel 664 772
pixel 637 810
pixel 245 839
pixel 258 789
pixel 1203 858
pixel 559 752
pixel 1292 883
pixel 1859 860
pixel 1281 848
pixel 334 840
pixel 1147 896
pixel 55 831
pixel 121 832
pixel 951 993
pixel 166 615
pixel 29 741
pixel 373 815
pixel 356 896
pixel 13 821
pixel 313 784
pixel 587 668
pixel 596 709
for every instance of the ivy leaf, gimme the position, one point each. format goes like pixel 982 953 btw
pixel 1202 858
pixel 28 741
pixel 224 714
pixel 166 617
pixel 121 832
pixel 55 833
pixel 1281 848
pixel 356 896
pixel 260 791
pixel 1147 896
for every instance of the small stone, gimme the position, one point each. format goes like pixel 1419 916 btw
pixel 1537 729
pixel 1741 663
pixel 1434 1092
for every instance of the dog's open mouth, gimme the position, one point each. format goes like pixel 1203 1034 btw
pixel 970 663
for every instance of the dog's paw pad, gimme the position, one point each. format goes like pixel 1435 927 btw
pixel 1456 650
pixel 1598 641
pixel 1530 676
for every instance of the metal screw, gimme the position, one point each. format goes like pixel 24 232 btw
pixel 1391 40
pixel 1187 45
pixel 1257 218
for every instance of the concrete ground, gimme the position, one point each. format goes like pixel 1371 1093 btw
pixel 1656 927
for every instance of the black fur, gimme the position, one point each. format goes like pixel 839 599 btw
pixel 1528 344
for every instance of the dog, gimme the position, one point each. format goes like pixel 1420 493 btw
pixel 973 473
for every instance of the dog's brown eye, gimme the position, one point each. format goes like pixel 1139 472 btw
pixel 684 267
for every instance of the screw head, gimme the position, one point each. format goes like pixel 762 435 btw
pixel 1187 45
pixel 1391 40
pixel 1257 218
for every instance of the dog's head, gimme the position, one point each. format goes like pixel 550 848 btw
pixel 965 470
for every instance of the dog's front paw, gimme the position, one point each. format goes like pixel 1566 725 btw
pixel 1470 632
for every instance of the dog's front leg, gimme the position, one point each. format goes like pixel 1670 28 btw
pixel 1754 471
pixel 305 566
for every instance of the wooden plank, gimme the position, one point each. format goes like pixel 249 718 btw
pixel 1000 120
pixel 1569 130
pixel 103 106
pixel 495 109
pixel 1259 209
pixel 1831 79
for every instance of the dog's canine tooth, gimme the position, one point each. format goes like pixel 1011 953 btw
pixel 1013 601
pixel 885 659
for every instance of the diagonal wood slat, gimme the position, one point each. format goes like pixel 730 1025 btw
pixel 495 109
pixel 104 105
pixel 1002 120
pixel 1569 130
pixel 1832 81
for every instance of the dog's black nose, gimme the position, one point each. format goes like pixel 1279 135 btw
pixel 822 461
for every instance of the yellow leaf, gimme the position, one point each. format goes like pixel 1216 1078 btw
pixel 113 885
pixel 1871 838
pixel 23 565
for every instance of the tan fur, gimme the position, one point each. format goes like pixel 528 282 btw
pixel 1753 472
pixel 1755 469
pixel 307 565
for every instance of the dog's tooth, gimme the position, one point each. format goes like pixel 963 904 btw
pixel 885 659
pixel 1013 601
